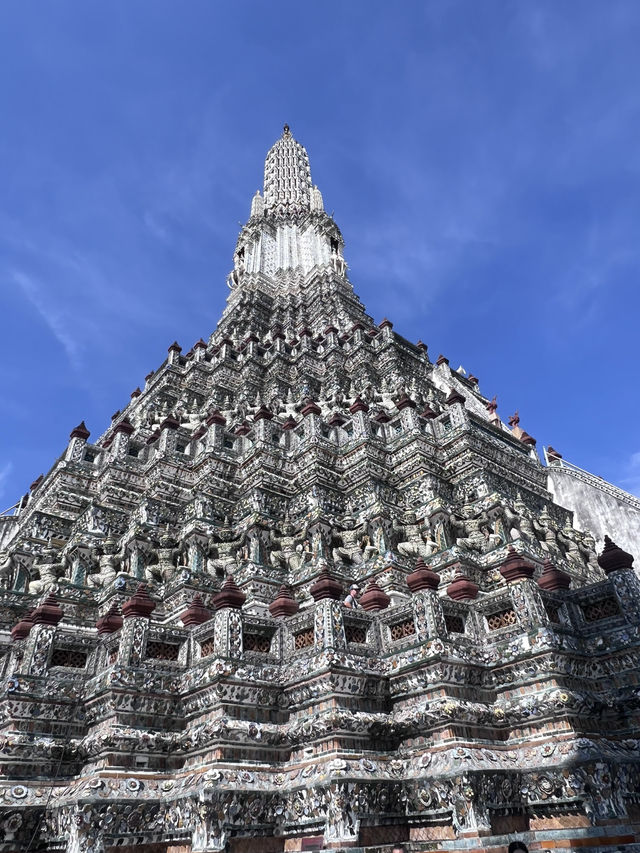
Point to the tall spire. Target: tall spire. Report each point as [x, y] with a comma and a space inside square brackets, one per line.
[287, 176]
[288, 235]
[289, 255]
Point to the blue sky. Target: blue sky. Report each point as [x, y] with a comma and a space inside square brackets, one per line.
[482, 160]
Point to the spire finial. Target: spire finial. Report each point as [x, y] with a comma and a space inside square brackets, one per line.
[287, 176]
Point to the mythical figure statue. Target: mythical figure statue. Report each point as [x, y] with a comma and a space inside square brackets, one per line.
[524, 522]
[49, 569]
[109, 561]
[575, 550]
[305, 551]
[341, 823]
[491, 538]
[417, 541]
[511, 523]
[284, 554]
[439, 530]
[546, 529]
[7, 570]
[224, 550]
[368, 549]
[337, 262]
[152, 570]
[167, 554]
[251, 548]
[346, 540]
[472, 530]
[588, 549]
[317, 544]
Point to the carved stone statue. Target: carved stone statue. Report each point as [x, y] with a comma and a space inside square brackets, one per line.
[284, 554]
[369, 550]
[251, 549]
[524, 520]
[546, 531]
[511, 523]
[346, 541]
[467, 529]
[588, 550]
[417, 541]
[7, 570]
[49, 570]
[492, 539]
[570, 543]
[341, 824]
[109, 562]
[168, 553]
[138, 559]
[224, 550]
[337, 262]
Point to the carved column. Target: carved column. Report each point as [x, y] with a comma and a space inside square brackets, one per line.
[408, 414]
[215, 430]
[278, 338]
[261, 420]
[329, 626]
[174, 353]
[527, 604]
[38, 645]
[228, 633]
[228, 620]
[253, 342]
[361, 424]
[524, 591]
[428, 616]
[133, 641]
[311, 414]
[331, 337]
[199, 350]
[167, 442]
[77, 442]
[358, 336]
[456, 410]
[121, 436]
[618, 566]
[226, 349]
[136, 611]
[387, 329]
[305, 338]
[37, 649]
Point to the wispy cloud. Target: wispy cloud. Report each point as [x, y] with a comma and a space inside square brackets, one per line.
[631, 482]
[5, 471]
[483, 168]
[53, 318]
[84, 297]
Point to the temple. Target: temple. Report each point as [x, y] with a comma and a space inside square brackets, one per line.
[180, 670]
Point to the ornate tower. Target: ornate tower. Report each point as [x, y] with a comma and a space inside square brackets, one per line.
[289, 268]
[183, 668]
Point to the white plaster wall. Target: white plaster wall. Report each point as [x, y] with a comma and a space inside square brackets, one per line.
[597, 510]
[8, 527]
